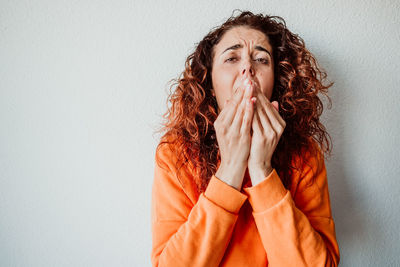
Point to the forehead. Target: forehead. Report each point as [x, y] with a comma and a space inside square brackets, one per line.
[242, 35]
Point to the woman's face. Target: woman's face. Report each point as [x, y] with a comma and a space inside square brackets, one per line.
[242, 52]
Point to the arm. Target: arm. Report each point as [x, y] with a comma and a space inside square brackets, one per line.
[187, 234]
[296, 231]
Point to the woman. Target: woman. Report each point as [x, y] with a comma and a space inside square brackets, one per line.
[240, 178]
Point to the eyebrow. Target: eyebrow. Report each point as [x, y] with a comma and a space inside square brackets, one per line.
[237, 46]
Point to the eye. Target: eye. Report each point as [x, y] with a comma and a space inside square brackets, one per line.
[262, 60]
[231, 59]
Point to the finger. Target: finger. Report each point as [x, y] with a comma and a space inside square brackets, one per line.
[237, 95]
[275, 109]
[238, 119]
[256, 123]
[273, 117]
[232, 106]
[272, 111]
[248, 115]
[276, 105]
[250, 87]
[264, 119]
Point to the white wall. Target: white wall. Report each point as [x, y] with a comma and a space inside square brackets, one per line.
[82, 87]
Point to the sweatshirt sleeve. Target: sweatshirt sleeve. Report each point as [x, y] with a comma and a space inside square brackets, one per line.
[296, 231]
[187, 234]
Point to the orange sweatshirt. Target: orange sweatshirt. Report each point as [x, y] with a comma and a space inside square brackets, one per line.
[262, 225]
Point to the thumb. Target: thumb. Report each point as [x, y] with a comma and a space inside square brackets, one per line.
[276, 105]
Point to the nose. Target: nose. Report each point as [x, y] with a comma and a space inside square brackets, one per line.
[247, 69]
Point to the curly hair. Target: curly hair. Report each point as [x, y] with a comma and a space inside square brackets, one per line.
[297, 82]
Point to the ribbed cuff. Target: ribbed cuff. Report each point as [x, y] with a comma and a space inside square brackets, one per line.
[267, 193]
[224, 195]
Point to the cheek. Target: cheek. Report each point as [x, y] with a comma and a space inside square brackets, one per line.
[222, 94]
[222, 84]
[268, 90]
[268, 85]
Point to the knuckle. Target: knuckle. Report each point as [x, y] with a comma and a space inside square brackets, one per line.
[240, 107]
[223, 129]
[270, 134]
[238, 92]
[235, 93]
[235, 102]
[280, 130]
[273, 135]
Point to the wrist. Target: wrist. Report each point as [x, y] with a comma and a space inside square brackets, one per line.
[258, 174]
[232, 176]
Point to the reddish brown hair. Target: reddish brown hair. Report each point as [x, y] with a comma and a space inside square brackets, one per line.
[298, 81]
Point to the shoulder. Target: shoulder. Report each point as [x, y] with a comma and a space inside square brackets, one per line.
[165, 155]
[310, 190]
[169, 157]
[309, 165]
